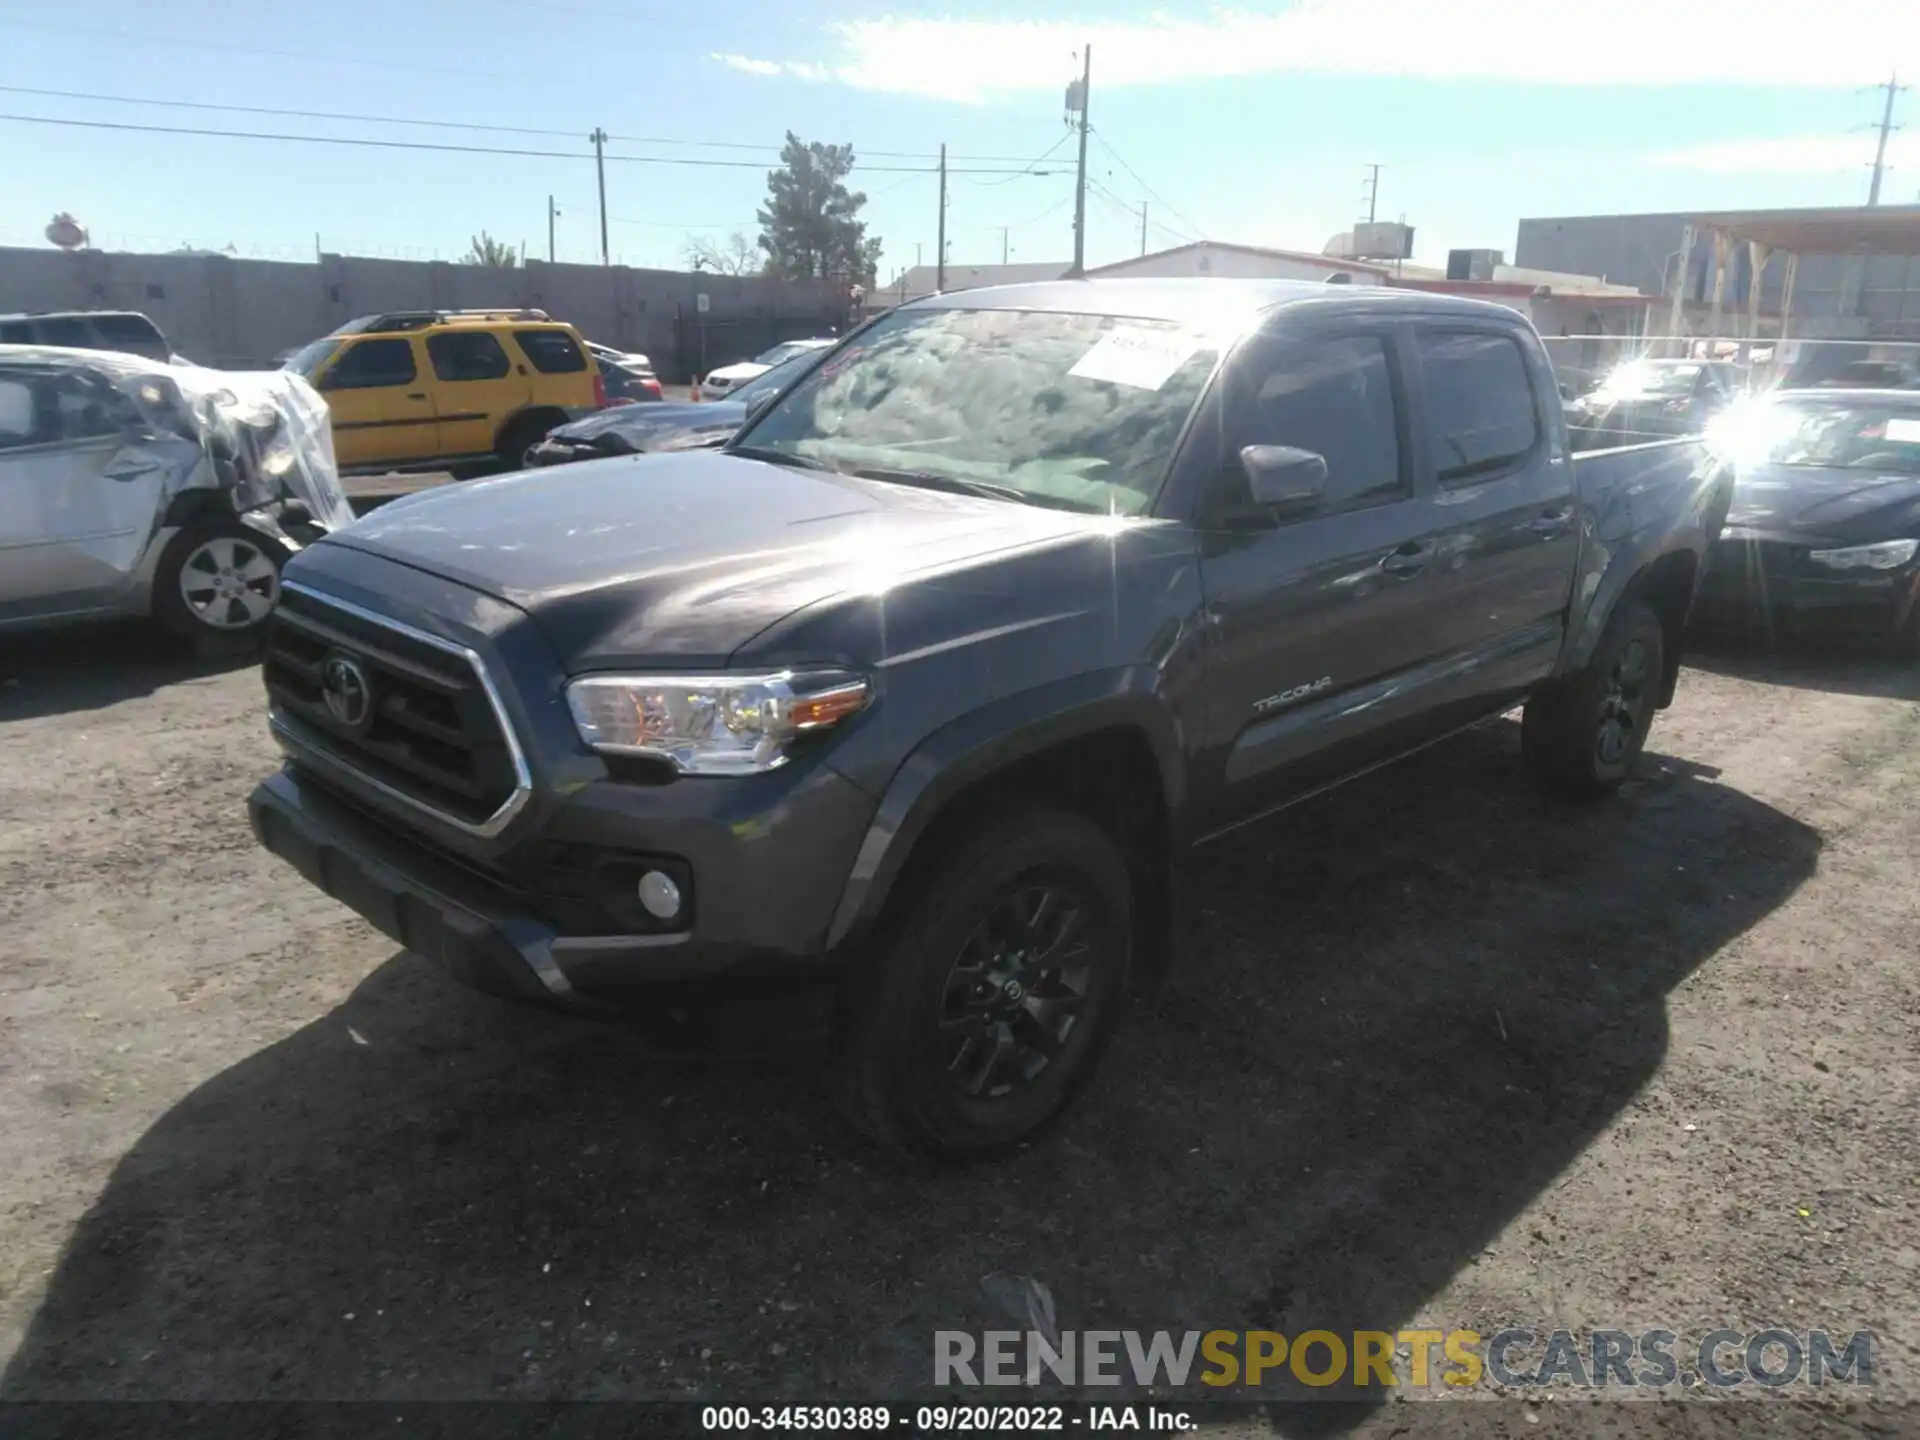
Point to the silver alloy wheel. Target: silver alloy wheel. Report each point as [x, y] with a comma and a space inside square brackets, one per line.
[229, 583]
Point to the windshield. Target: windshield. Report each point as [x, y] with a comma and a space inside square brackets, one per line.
[307, 360]
[1075, 411]
[1871, 437]
[1642, 378]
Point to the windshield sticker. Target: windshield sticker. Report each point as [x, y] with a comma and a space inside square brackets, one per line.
[1907, 432]
[1144, 359]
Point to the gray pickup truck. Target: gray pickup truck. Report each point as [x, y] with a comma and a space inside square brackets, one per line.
[932, 680]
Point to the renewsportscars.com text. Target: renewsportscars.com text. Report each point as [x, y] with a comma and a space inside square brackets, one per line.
[1406, 1359]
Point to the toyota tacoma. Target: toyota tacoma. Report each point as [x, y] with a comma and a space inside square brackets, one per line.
[933, 678]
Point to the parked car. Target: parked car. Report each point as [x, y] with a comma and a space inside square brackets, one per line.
[721, 384]
[1648, 399]
[131, 487]
[1824, 535]
[449, 388]
[123, 332]
[628, 375]
[1875, 375]
[934, 677]
[686, 425]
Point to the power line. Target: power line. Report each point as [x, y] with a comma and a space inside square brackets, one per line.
[1152, 194]
[96, 97]
[271, 110]
[123, 125]
[1041, 158]
[1053, 209]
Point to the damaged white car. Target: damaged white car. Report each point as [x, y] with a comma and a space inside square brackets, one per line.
[129, 487]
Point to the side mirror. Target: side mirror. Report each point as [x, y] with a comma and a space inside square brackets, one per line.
[1284, 480]
[760, 404]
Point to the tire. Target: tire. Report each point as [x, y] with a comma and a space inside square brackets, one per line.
[1581, 735]
[521, 434]
[954, 1044]
[217, 583]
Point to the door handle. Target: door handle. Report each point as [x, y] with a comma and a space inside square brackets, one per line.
[417, 395]
[1410, 559]
[1553, 522]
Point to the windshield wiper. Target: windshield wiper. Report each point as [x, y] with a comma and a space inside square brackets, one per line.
[782, 457]
[954, 484]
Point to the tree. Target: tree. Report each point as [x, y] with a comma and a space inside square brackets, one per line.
[491, 253]
[810, 227]
[736, 255]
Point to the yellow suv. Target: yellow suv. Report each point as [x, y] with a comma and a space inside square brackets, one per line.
[449, 387]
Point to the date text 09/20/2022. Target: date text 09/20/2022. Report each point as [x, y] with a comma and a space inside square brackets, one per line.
[949, 1419]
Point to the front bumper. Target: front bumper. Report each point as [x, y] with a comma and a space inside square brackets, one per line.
[1756, 581]
[488, 933]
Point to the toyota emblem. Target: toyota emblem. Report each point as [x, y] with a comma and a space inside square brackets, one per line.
[344, 686]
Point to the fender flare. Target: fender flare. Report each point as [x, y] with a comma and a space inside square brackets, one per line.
[976, 745]
[1619, 583]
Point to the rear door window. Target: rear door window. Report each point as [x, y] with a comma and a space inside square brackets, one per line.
[551, 351]
[1481, 415]
[371, 364]
[467, 355]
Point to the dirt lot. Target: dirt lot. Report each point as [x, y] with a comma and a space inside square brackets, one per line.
[1450, 1055]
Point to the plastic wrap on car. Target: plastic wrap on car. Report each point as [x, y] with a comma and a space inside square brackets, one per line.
[261, 436]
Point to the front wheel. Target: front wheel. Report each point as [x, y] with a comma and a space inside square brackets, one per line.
[978, 1016]
[217, 583]
[1582, 735]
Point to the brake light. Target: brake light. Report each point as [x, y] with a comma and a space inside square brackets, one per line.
[599, 388]
[650, 385]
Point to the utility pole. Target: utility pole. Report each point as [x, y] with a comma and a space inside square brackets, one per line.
[1081, 93]
[940, 238]
[1373, 192]
[552, 211]
[1143, 227]
[599, 138]
[1005, 247]
[1893, 87]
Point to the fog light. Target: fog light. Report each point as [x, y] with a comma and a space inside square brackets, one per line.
[659, 895]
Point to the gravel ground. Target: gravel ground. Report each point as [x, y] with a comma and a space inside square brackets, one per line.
[1448, 1055]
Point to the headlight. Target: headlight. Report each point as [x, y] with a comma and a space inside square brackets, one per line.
[712, 724]
[1887, 555]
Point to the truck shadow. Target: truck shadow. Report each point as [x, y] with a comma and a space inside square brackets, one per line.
[1416, 1002]
[89, 667]
[1847, 669]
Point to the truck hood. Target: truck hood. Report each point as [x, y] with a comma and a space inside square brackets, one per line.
[1855, 506]
[688, 556]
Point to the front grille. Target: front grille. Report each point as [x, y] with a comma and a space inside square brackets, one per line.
[431, 733]
[1742, 565]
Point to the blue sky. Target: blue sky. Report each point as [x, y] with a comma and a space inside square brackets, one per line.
[1251, 124]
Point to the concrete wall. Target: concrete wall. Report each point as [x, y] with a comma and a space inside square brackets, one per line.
[241, 313]
[1835, 295]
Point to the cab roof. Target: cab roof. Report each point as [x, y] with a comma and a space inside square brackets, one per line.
[1197, 298]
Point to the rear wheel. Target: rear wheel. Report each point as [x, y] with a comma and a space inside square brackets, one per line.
[521, 434]
[217, 583]
[1582, 735]
[976, 1019]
